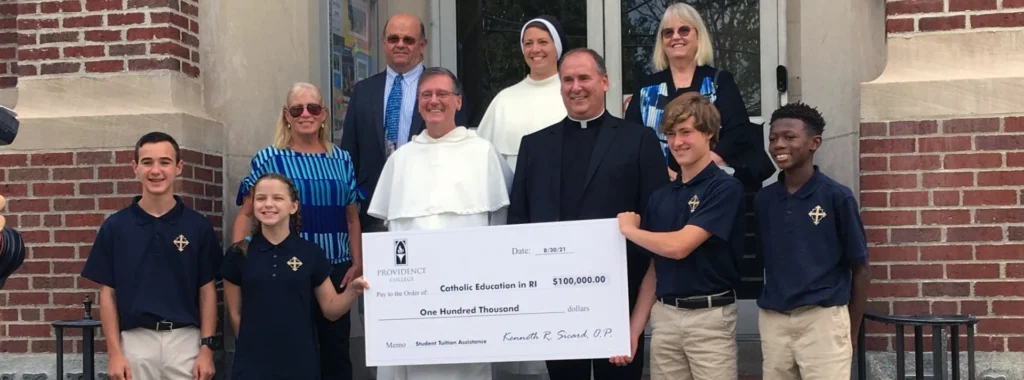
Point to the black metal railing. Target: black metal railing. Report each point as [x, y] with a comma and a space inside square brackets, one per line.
[88, 326]
[938, 323]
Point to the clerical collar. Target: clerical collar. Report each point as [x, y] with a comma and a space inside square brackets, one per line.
[596, 119]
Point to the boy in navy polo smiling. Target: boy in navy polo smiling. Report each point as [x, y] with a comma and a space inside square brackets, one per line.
[155, 262]
[815, 258]
[694, 227]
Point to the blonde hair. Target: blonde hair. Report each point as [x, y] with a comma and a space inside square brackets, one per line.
[283, 135]
[687, 14]
[706, 118]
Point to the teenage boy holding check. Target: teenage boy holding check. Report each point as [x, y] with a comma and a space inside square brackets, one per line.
[815, 258]
[694, 228]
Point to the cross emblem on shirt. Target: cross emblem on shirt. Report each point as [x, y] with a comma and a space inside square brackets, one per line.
[294, 263]
[181, 242]
[817, 214]
[694, 202]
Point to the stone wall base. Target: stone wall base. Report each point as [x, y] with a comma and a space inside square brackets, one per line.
[988, 365]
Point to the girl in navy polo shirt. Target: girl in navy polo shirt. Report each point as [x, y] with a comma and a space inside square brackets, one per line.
[270, 285]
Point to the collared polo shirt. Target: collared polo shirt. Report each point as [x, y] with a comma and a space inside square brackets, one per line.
[713, 200]
[810, 240]
[156, 264]
[277, 336]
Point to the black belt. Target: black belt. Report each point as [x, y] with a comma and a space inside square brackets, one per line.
[700, 302]
[163, 325]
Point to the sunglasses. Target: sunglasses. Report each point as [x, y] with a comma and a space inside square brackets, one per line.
[683, 31]
[408, 40]
[314, 109]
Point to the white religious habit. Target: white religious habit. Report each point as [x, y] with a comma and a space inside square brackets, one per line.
[458, 180]
[519, 110]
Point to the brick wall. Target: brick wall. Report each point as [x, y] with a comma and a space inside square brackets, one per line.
[8, 43]
[58, 200]
[941, 201]
[105, 36]
[926, 16]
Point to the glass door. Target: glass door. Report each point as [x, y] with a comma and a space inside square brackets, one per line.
[483, 47]
[748, 39]
[479, 41]
[735, 27]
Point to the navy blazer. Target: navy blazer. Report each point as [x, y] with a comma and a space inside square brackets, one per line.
[363, 134]
[626, 166]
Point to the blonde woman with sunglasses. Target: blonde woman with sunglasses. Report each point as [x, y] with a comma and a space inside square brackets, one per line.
[325, 179]
[683, 61]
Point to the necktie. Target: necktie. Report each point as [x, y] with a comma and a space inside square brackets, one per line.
[393, 113]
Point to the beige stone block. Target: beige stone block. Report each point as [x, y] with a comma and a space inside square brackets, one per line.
[937, 76]
[838, 159]
[102, 132]
[120, 94]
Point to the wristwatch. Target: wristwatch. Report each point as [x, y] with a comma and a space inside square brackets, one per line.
[209, 342]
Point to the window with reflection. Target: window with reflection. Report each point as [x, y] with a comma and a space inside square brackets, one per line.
[734, 26]
[354, 43]
[490, 56]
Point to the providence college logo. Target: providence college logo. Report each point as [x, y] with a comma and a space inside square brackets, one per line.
[401, 257]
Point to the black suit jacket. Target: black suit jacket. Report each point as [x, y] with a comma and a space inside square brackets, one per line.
[363, 134]
[625, 168]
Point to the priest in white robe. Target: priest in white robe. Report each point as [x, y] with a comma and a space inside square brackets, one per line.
[446, 177]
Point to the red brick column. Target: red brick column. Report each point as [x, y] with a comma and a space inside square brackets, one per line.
[905, 17]
[104, 36]
[941, 197]
[8, 43]
[942, 204]
[57, 201]
[59, 197]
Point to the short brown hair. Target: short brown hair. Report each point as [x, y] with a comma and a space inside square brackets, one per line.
[692, 104]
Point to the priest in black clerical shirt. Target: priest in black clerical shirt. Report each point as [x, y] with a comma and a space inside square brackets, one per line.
[591, 165]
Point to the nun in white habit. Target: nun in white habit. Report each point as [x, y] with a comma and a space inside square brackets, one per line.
[535, 102]
[532, 104]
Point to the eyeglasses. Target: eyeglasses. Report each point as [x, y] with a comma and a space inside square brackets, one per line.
[313, 108]
[683, 32]
[441, 94]
[408, 40]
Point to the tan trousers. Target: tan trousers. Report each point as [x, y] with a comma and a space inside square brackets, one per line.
[161, 355]
[693, 344]
[810, 343]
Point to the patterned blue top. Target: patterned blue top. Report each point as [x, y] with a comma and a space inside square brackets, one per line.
[655, 97]
[326, 185]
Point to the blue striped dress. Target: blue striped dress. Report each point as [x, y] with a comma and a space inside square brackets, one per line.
[326, 185]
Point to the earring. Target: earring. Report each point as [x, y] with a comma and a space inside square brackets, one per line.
[323, 125]
[288, 125]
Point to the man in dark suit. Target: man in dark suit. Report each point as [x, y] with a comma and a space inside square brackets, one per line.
[382, 113]
[591, 165]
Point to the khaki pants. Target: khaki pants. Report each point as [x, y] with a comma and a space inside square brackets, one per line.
[161, 355]
[810, 343]
[693, 344]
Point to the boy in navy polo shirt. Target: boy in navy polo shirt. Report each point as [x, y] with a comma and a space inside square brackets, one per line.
[815, 258]
[155, 263]
[694, 227]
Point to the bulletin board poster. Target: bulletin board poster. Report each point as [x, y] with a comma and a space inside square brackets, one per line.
[352, 40]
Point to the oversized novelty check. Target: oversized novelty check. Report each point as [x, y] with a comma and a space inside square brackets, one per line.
[529, 292]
